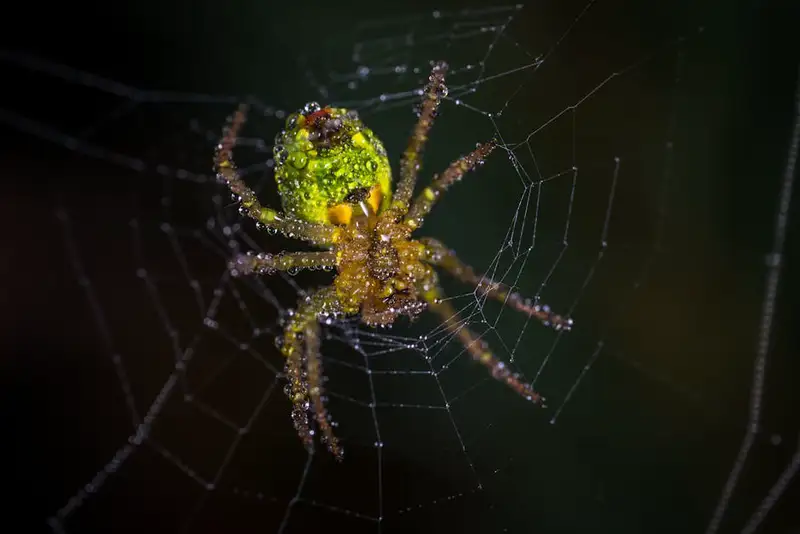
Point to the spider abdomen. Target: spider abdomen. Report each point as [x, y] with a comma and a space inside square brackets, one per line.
[322, 157]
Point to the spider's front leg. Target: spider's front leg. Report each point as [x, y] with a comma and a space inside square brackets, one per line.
[425, 201]
[435, 90]
[476, 347]
[301, 348]
[436, 253]
[288, 225]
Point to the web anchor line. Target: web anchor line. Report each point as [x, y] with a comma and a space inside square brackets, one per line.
[773, 261]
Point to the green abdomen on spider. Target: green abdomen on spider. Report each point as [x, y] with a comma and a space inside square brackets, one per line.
[324, 156]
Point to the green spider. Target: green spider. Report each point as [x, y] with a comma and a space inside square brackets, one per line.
[334, 180]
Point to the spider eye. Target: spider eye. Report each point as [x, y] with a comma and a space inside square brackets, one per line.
[357, 195]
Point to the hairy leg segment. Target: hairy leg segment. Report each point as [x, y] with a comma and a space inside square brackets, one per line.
[301, 348]
[439, 255]
[477, 348]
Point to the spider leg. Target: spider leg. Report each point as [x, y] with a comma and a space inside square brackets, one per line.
[290, 226]
[303, 368]
[435, 90]
[477, 348]
[250, 263]
[439, 255]
[424, 202]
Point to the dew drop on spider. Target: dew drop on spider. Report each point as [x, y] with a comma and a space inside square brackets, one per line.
[280, 154]
[311, 107]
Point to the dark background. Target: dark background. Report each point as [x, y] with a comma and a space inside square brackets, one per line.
[646, 442]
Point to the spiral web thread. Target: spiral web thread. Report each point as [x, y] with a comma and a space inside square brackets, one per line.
[209, 332]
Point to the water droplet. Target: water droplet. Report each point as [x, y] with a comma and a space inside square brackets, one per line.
[298, 160]
[311, 107]
[280, 154]
[291, 121]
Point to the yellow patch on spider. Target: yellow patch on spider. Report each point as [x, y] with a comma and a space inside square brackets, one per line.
[342, 213]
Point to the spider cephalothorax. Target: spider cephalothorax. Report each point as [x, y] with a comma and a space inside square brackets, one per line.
[379, 267]
[335, 185]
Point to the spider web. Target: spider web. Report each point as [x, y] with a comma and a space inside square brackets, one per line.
[160, 403]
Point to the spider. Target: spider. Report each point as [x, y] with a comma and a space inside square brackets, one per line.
[334, 180]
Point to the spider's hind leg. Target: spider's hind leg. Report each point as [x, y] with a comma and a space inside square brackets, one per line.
[301, 348]
[439, 255]
[477, 348]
